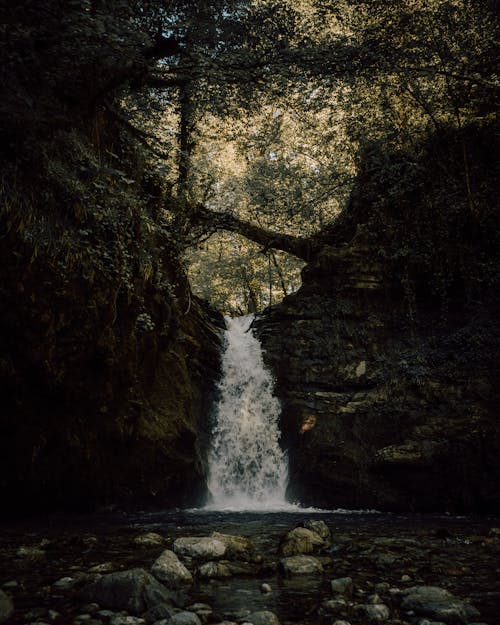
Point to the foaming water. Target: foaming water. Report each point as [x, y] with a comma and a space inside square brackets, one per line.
[247, 469]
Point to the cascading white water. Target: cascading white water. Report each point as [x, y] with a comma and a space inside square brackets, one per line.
[247, 468]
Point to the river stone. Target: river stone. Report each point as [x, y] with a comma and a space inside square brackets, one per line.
[236, 546]
[300, 565]
[298, 541]
[200, 547]
[126, 620]
[150, 539]
[438, 604]
[335, 607]
[375, 613]
[181, 618]
[134, 590]
[262, 617]
[161, 611]
[214, 570]
[318, 526]
[170, 570]
[342, 586]
[6, 607]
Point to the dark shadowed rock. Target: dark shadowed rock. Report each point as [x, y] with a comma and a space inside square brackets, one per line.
[135, 590]
[6, 607]
[437, 604]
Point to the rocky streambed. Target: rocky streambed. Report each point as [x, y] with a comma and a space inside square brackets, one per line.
[192, 568]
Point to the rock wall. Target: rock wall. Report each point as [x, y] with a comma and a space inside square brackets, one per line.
[378, 413]
[389, 385]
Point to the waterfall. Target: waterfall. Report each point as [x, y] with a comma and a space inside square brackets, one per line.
[247, 470]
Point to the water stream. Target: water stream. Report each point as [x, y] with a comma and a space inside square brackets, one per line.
[247, 468]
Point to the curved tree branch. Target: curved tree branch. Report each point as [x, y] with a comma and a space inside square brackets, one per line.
[304, 248]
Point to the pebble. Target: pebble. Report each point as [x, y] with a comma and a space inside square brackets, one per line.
[265, 588]
[11, 584]
[65, 583]
[405, 579]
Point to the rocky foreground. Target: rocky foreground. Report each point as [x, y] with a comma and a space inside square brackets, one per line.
[402, 574]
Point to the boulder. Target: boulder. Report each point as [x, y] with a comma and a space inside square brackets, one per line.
[438, 604]
[320, 527]
[213, 570]
[300, 540]
[170, 570]
[262, 617]
[236, 546]
[300, 565]
[134, 590]
[6, 607]
[201, 547]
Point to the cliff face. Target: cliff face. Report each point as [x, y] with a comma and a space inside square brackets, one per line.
[390, 389]
[104, 390]
[107, 361]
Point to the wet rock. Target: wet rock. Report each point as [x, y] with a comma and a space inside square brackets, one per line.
[374, 613]
[300, 540]
[11, 584]
[203, 610]
[170, 570]
[134, 590]
[105, 567]
[204, 547]
[333, 607]
[342, 586]
[319, 527]
[33, 554]
[236, 546]
[266, 588]
[438, 604]
[161, 611]
[66, 583]
[182, 618]
[262, 617]
[213, 570]
[149, 539]
[300, 565]
[341, 623]
[126, 620]
[6, 607]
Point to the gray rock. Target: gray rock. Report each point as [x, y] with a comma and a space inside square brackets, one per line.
[65, 583]
[300, 565]
[203, 547]
[341, 623]
[342, 586]
[31, 553]
[236, 546]
[150, 539]
[335, 607]
[134, 590]
[438, 604]
[262, 617]
[300, 540]
[104, 567]
[161, 611]
[183, 618]
[213, 570]
[126, 620]
[374, 613]
[265, 588]
[6, 607]
[170, 570]
[319, 527]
